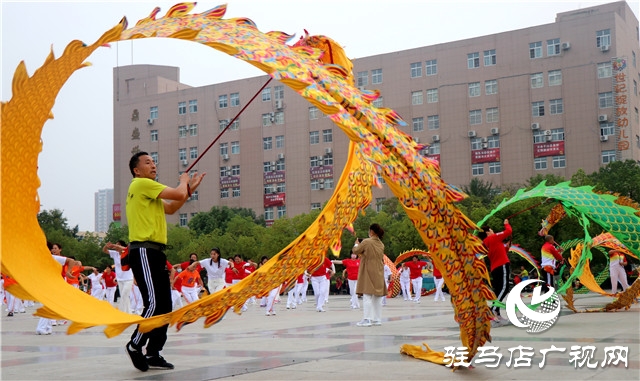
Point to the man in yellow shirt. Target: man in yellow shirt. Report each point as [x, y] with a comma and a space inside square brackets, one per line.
[147, 203]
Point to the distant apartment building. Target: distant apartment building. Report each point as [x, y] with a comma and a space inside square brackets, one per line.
[103, 209]
[549, 99]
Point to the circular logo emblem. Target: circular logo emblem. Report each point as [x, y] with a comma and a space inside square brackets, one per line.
[537, 319]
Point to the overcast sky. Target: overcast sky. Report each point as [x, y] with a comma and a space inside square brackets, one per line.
[77, 158]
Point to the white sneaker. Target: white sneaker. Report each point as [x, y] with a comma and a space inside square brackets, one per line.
[376, 322]
[364, 323]
[267, 313]
[321, 310]
[244, 309]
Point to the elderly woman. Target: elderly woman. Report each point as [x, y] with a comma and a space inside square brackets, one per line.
[371, 276]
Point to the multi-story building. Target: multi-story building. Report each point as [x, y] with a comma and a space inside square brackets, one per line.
[548, 99]
[103, 200]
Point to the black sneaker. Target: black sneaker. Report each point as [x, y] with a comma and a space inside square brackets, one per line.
[158, 362]
[10, 314]
[137, 358]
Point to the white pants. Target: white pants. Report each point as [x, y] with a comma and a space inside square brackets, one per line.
[299, 289]
[97, 292]
[439, 294]
[271, 298]
[319, 283]
[137, 304]
[616, 271]
[45, 326]
[176, 300]
[327, 288]
[352, 291]
[125, 287]
[292, 297]
[372, 307]
[406, 289]
[13, 304]
[384, 298]
[305, 289]
[190, 293]
[215, 285]
[417, 288]
[110, 295]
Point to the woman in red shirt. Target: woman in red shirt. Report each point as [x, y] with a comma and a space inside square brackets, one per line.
[499, 261]
[351, 265]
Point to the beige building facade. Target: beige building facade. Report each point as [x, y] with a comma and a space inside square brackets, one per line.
[549, 99]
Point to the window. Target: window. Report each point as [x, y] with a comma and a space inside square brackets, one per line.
[153, 112]
[267, 143]
[474, 89]
[477, 169]
[377, 103]
[553, 47]
[492, 115]
[235, 126]
[182, 154]
[432, 67]
[605, 100]
[555, 77]
[376, 76]
[493, 141]
[475, 117]
[473, 60]
[223, 171]
[280, 141]
[633, 58]
[416, 98]
[418, 124]
[266, 166]
[194, 197]
[362, 78]
[327, 159]
[266, 94]
[494, 168]
[193, 130]
[267, 119]
[489, 57]
[316, 206]
[540, 163]
[193, 106]
[635, 87]
[224, 149]
[314, 113]
[539, 136]
[379, 203]
[604, 70]
[433, 122]
[315, 184]
[556, 106]
[235, 192]
[380, 179]
[607, 129]
[235, 99]
[603, 38]
[328, 183]
[182, 108]
[268, 214]
[535, 49]
[434, 149]
[193, 153]
[222, 101]
[316, 161]
[269, 188]
[281, 187]
[327, 136]
[537, 108]
[235, 148]
[280, 165]
[608, 156]
[432, 96]
[314, 137]
[282, 211]
[476, 144]
[416, 69]
[279, 117]
[536, 80]
[154, 135]
[278, 92]
[182, 131]
[491, 87]
[183, 219]
[154, 157]
[224, 193]
[223, 123]
[557, 134]
[559, 161]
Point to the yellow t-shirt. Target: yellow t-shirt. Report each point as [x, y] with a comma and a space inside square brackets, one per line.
[145, 211]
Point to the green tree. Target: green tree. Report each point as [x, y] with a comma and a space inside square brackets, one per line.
[621, 177]
[580, 178]
[483, 190]
[218, 218]
[51, 220]
[117, 232]
[550, 178]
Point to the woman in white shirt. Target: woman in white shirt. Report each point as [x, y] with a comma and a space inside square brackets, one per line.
[215, 267]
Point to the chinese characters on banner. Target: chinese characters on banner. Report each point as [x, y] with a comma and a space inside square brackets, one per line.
[273, 177]
[322, 172]
[273, 199]
[117, 212]
[435, 157]
[485, 155]
[521, 356]
[548, 149]
[229, 181]
[620, 116]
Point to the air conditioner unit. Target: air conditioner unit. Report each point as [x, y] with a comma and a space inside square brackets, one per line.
[604, 138]
[548, 138]
[327, 150]
[321, 186]
[185, 163]
[547, 132]
[280, 156]
[495, 131]
[321, 181]
[150, 122]
[471, 134]
[566, 46]
[279, 104]
[535, 126]
[227, 173]
[416, 139]
[602, 118]
[435, 138]
[273, 168]
[485, 140]
[604, 48]
[485, 145]
[225, 157]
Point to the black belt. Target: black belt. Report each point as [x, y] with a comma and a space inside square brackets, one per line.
[147, 245]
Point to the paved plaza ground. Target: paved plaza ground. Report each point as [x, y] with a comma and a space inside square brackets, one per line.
[302, 344]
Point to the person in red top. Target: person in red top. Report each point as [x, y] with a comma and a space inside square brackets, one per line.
[193, 257]
[351, 266]
[439, 281]
[415, 274]
[190, 282]
[499, 264]
[319, 282]
[228, 274]
[110, 283]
